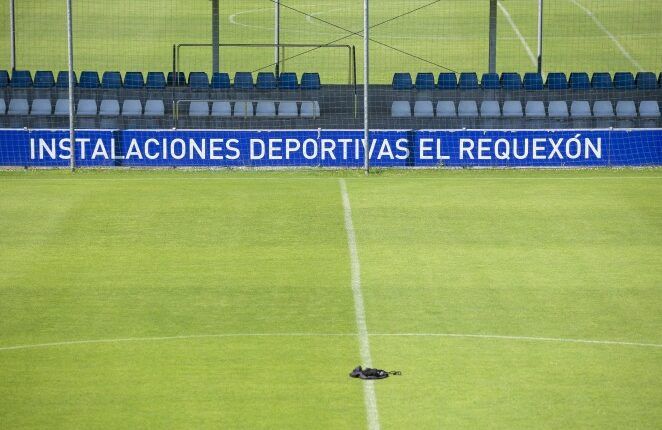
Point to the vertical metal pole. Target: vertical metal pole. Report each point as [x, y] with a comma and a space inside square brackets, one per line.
[70, 41]
[366, 84]
[540, 5]
[12, 31]
[215, 20]
[277, 37]
[493, 36]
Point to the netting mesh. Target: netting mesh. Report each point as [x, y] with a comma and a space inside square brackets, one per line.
[444, 64]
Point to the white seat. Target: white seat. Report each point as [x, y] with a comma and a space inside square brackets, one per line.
[512, 109]
[490, 109]
[41, 107]
[61, 107]
[18, 107]
[87, 107]
[423, 109]
[603, 109]
[310, 109]
[265, 108]
[401, 109]
[580, 109]
[534, 109]
[649, 109]
[288, 109]
[154, 108]
[243, 108]
[467, 108]
[109, 107]
[132, 108]
[198, 109]
[446, 108]
[3, 106]
[558, 109]
[626, 109]
[221, 108]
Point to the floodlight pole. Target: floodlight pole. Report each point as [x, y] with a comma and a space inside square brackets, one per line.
[70, 42]
[540, 10]
[215, 20]
[366, 84]
[12, 33]
[277, 37]
[493, 36]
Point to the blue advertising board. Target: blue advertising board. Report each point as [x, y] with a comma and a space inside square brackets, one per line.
[332, 148]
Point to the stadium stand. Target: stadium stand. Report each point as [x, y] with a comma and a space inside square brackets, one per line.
[543, 102]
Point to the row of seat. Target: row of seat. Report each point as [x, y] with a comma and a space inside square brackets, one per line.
[158, 81]
[533, 109]
[156, 108]
[531, 81]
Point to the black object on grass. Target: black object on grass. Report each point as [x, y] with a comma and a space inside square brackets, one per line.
[369, 373]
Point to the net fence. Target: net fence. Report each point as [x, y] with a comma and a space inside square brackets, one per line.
[298, 65]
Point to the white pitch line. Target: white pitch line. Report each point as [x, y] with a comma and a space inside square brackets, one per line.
[601, 26]
[517, 32]
[369, 396]
[267, 335]
[522, 338]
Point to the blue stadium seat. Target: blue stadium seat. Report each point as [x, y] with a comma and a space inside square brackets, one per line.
[310, 81]
[243, 81]
[4, 79]
[181, 79]
[646, 81]
[111, 80]
[266, 81]
[579, 81]
[601, 81]
[134, 80]
[220, 81]
[533, 82]
[468, 81]
[624, 81]
[490, 81]
[21, 79]
[44, 79]
[63, 79]
[288, 81]
[447, 81]
[511, 81]
[402, 81]
[198, 80]
[155, 81]
[557, 81]
[89, 80]
[425, 81]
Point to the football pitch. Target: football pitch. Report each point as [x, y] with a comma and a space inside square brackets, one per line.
[242, 299]
[435, 36]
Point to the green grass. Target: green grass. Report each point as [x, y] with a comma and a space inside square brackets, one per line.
[126, 35]
[259, 261]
